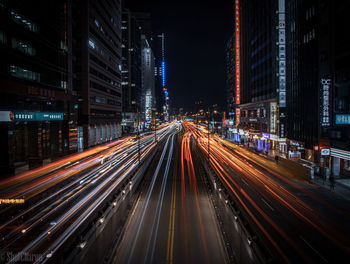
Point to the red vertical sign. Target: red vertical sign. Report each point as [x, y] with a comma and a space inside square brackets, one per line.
[238, 61]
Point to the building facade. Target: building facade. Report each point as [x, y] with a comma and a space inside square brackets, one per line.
[161, 89]
[38, 119]
[259, 74]
[148, 85]
[230, 78]
[318, 82]
[97, 59]
[131, 70]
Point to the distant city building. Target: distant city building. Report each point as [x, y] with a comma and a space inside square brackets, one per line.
[260, 74]
[318, 81]
[160, 71]
[148, 88]
[230, 78]
[97, 70]
[131, 70]
[37, 101]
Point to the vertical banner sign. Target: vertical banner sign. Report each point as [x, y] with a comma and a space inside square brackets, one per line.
[281, 67]
[282, 52]
[238, 60]
[273, 117]
[238, 115]
[325, 102]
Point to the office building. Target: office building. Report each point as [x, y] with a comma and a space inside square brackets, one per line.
[97, 59]
[230, 78]
[148, 85]
[37, 101]
[318, 98]
[131, 71]
[260, 73]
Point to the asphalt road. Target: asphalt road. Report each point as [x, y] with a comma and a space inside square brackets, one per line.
[299, 222]
[173, 220]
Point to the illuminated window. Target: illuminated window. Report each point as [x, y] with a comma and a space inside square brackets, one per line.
[92, 44]
[3, 39]
[22, 73]
[64, 84]
[23, 47]
[23, 21]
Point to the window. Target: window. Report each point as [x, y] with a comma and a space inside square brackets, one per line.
[64, 84]
[23, 21]
[22, 73]
[23, 47]
[3, 39]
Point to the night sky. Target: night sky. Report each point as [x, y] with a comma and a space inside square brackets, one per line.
[196, 33]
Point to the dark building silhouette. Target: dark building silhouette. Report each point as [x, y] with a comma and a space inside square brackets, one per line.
[318, 80]
[37, 101]
[131, 69]
[230, 78]
[97, 59]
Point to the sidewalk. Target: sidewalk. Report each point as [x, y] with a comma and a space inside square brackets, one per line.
[341, 184]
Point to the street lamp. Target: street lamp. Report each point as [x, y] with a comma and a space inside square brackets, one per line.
[208, 136]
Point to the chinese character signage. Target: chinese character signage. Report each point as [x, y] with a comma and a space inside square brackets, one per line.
[273, 117]
[342, 119]
[325, 102]
[282, 52]
[37, 116]
[237, 53]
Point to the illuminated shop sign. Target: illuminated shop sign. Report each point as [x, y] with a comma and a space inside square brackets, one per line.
[342, 119]
[148, 107]
[325, 102]
[266, 135]
[273, 117]
[238, 116]
[339, 153]
[237, 53]
[37, 116]
[282, 52]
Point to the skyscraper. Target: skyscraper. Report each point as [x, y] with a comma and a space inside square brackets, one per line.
[38, 116]
[162, 94]
[131, 69]
[97, 70]
[230, 78]
[318, 99]
[261, 68]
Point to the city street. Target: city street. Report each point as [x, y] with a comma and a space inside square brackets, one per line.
[177, 132]
[173, 221]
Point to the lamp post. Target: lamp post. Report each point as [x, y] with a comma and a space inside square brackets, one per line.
[138, 136]
[208, 136]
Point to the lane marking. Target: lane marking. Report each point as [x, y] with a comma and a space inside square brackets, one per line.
[318, 253]
[267, 204]
[245, 182]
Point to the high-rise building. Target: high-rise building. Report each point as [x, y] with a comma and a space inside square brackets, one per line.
[97, 59]
[37, 101]
[131, 70]
[318, 74]
[260, 71]
[230, 78]
[148, 88]
[161, 89]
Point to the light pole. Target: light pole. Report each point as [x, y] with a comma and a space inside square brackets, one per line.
[208, 136]
[138, 135]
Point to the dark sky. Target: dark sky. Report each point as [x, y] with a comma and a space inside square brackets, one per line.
[196, 33]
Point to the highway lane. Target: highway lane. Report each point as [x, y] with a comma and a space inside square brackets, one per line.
[294, 225]
[173, 220]
[47, 224]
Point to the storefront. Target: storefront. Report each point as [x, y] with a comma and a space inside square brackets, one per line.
[34, 136]
[340, 162]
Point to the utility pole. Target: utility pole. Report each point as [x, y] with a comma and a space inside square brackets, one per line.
[138, 135]
[208, 136]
